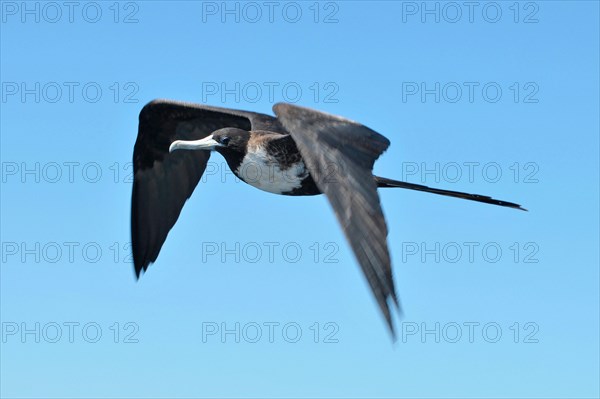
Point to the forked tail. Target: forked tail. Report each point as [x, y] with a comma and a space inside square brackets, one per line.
[383, 182]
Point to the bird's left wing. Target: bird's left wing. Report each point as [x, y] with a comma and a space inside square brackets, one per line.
[340, 154]
[163, 181]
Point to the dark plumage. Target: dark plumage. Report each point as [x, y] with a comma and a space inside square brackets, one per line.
[301, 152]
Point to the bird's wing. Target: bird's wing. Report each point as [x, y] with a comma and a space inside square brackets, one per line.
[163, 181]
[340, 154]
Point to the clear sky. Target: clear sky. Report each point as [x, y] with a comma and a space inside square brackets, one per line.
[259, 295]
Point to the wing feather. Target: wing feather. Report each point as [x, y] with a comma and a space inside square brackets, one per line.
[340, 154]
[163, 181]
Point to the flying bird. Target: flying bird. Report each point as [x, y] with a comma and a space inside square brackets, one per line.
[301, 151]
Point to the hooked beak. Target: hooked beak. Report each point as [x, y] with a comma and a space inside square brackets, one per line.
[207, 143]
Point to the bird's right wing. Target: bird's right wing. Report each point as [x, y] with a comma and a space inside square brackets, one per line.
[163, 181]
[340, 154]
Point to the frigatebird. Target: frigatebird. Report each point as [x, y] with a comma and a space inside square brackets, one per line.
[301, 151]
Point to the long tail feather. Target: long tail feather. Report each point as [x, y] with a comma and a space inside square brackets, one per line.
[384, 182]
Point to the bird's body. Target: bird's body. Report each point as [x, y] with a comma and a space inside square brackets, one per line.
[273, 163]
[299, 152]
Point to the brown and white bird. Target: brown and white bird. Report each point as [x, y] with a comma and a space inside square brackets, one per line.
[301, 151]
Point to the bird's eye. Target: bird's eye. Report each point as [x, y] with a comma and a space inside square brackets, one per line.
[225, 140]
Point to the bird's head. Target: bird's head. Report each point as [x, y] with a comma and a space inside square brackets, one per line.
[224, 140]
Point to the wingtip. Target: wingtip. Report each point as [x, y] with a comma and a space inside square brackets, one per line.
[388, 315]
[139, 269]
[393, 335]
[392, 331]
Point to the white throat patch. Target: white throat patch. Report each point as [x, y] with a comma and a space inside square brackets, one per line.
[263, 172]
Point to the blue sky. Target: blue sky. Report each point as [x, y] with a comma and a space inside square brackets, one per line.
[255, 295]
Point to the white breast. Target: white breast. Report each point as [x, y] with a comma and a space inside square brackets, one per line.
[263, 172]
